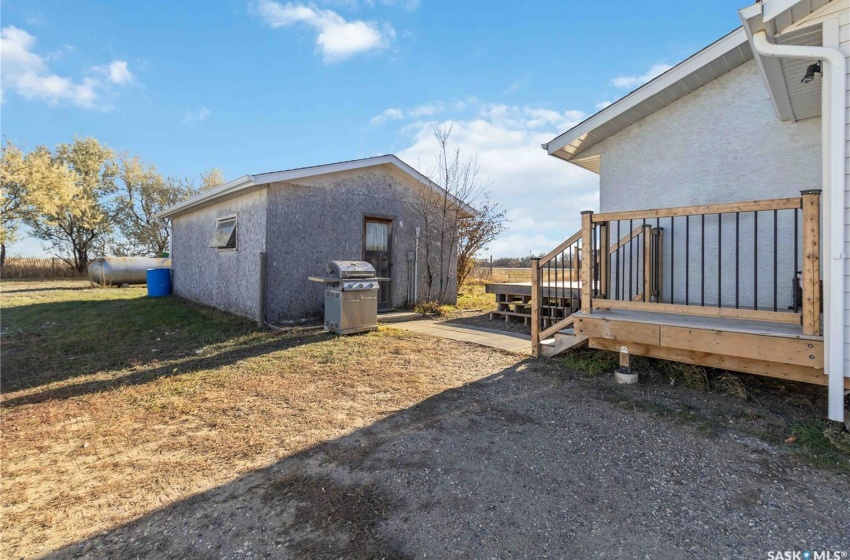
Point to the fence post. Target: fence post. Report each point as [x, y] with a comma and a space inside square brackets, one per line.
[587, 260]
[811, 262]
[536, 303]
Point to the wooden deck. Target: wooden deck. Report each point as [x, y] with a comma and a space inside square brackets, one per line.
[773, 349]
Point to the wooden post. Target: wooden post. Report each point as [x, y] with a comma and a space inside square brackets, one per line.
[604, 258]
[587, 261]
[811, 262]
[536, 302]
[647, 263]
[625, 360]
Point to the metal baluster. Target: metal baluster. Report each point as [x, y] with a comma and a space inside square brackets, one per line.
[672, 255]
[687, 260]
[775, 259]
[737, 259]
[631, 259]
[642, 261]
[796, 262]
[702, 260]
[617, 264]
[755, 260]
[719, 260]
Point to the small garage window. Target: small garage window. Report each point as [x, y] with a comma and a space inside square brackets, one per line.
[224, 236]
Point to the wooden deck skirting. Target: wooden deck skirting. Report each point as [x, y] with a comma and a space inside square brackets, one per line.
[769, 349]
[780, 344]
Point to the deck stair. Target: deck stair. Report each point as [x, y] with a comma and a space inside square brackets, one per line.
[562, 341]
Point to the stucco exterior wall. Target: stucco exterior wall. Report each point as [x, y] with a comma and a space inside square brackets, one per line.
[322, 218]
[225, 279]
[722, 143]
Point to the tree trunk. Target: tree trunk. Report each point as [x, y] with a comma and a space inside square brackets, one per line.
[2, 254]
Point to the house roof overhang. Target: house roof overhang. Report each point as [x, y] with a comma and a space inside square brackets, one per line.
[247, 182]
[789, 22]
[717, 59]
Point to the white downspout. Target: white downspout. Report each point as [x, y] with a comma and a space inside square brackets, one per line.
[832, 144]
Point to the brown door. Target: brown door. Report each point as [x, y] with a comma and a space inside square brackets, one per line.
[377, 251]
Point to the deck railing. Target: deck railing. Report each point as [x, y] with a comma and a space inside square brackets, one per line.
[755, 260]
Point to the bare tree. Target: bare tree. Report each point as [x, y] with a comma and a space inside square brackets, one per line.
[458, 217]
[477, 231]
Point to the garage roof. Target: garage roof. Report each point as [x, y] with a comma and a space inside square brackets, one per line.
[247, 182]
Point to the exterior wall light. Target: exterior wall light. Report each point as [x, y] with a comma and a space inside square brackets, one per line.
[810, 73]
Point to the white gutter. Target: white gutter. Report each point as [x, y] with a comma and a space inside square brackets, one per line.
[834, 68]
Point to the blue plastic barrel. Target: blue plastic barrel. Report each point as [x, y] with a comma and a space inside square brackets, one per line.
[159, 282]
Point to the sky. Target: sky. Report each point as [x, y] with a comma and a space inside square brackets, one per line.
[250, 86]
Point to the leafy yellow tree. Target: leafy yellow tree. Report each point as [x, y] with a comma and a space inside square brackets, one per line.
[67, 190]
[13, 199]
[211, 179]
[143, 193]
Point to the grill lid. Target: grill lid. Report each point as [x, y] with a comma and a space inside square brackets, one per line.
[350, 269]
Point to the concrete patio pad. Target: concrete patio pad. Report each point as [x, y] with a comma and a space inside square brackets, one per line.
[493, 338]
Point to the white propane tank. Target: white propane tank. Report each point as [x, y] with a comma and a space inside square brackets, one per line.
[110, 271]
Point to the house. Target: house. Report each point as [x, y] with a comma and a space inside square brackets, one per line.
[724, 206]
[248, 246]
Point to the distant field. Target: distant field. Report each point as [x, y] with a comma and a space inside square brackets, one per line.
[26, 267]
[503, 274]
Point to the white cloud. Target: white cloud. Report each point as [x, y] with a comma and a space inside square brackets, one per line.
[389, 114]
[634, 81]
[337, 38]
[196, 116]
[602, 104]
[118, 72]
[427, 109]
[27, 73]
[543, 195]
[418, 111]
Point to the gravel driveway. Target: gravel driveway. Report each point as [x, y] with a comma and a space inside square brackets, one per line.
[524, 464]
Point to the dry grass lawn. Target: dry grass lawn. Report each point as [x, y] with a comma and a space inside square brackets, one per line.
[114, 405]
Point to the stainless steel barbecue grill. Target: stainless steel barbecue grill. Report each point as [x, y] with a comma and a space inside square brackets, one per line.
[351, 297]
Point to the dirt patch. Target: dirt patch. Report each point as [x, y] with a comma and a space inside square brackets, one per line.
[335, 520]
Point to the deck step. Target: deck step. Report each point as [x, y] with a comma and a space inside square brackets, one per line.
[562, 342]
